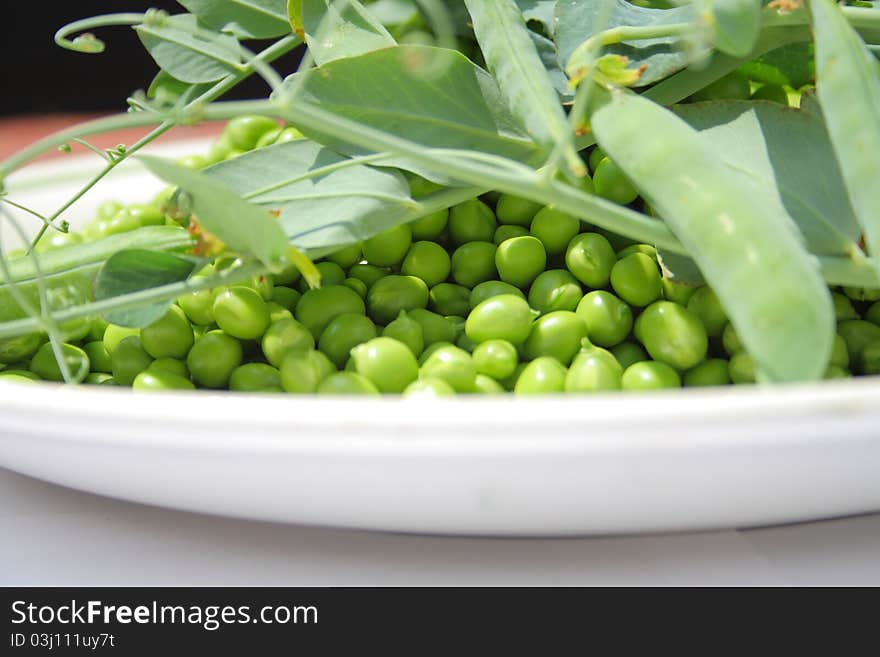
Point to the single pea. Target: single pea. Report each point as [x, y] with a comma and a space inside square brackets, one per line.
[114, 334]
[843, 308]
[557, 334]
[254, 377]
[277, 313]
[347, 383]
[430, 349]
[198, 306]
[26, 373]
[712, 372]
[449, 299]
[344, 333]
[486, 385]
[391, 294]
[542, 376]
[107, 209]
[555, 229]
[489, 289]
[505, 317]
[369, 274]
[647, 249]
[509, 231]
[122, 222]
[730, 340]
[45, 365]
[435, 328]
[99, 358]
[170, 336]
[649, 375]
[419, 186]
[96, 379]
[872, 315]
[12, 377]
[53, 240]
[287, 276]
[869, 294]
[243, 132]
[672, 334]
[474, 263]
[283, 337]
[128, 360]
[596, 156]
[240, 312]
[347, 256]
[857, 333]
[408, 331]
[610, 182]
[428, 389]
[173, 365]
[733, 86]
[835, 372]
[519, 260]
[516, 210]
[318, 307]
[869, 360]
[555, 289]
[96, 330]
[213, 358]
[431, 226]
[628, 353]
[330, 273]
[19, 347]
[771, 92]
[680, 293]
[147, 215]
[495, 358]
[387, 363]
[289, 134]
[608, 319]
[428, 261]
[268, 138]
[741, 368]
[594, 370]
[389, 247]
[158, 380]
[839, 353]
[705, 304]
[357, 285]
[299, 373]
[636, 280]
[453, 365]
[590, 258]
[471, 221]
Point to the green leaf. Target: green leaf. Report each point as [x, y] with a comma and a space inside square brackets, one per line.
[341, 29]
[577, 20]
[735, 25]
[189, 56]
[243, 227]
[246, 19]
[786, 156]
[325, 200]
[134, 270]
[432, 96]
[514, 61]
[848, 88]
[547, 52]
[540, 11]
[751, 255]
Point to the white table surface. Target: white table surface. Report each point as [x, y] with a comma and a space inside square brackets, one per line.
[56, 536]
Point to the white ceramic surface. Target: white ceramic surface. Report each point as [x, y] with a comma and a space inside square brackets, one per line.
[700, 459]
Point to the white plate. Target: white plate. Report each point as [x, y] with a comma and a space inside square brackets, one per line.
[694, 459]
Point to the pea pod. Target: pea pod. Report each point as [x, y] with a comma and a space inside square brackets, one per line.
[735, 25]
[752, 256]
[512, 58]
[848, 87]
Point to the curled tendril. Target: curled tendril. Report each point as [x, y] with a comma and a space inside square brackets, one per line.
[88, 42]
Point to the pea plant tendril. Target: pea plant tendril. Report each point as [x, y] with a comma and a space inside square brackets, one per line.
[702, 172]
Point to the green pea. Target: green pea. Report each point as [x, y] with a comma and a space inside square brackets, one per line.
[649, 375]
[843, 308]
[610, 182]
[771, 92]
[627, 353]
[172, 365]
[471, 221]
[408, 331]
[115, 334]
[680, 293]
[96, 379]
[420, 186]
[254, 377]
[486, 385]
[590, 258]
[347, 256]
[839, 353]
[44, 364]
[516, 210]
[198, 306]
[489, 289]
[330, 273]
[449, 299]
[213, 358]
[857, 333]
[430, 349]
[557, 334]
[505, 317]
[431, 226]
[241, 312]
[542, 376]
[391, 294]
[170, 336]
[519, 260]
[128, 360]
[53, 240]
[509, 231]
[495, 358]
[347, 383]
[672, 335]
[741, 368]
[369, 274]
[712, 372]
[289, 134]
[428, 389]
[122, 222]
[636, 280]
[705, 304]
[596, 156]
[435, 328]
[287, 276]
[99, 358]
[158, 380]
[428, 261]
[869, 360]
[344, 333]
[318, 307]
[454, 366]
[277, 313]
[243, 132]
[283, 337]
[19, 347]
[733, 86]
[96, 330]
[730, 340]
[872, 315]
[299, 373]
[357, 285]
[147, 215]
[594, 370]
[268, 138]
[387, 363]
[389, 247]
[555, 229]
[474, 263]
[555, 289]
[608, 319]
[869, 294]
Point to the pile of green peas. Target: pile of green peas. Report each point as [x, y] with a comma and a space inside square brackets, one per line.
[496, 294]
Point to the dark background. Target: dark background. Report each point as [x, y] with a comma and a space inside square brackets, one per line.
[40, 77]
